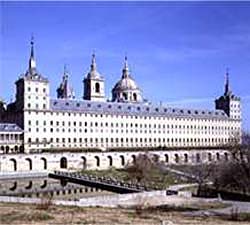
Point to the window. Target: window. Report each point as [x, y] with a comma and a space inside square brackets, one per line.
[97, 87]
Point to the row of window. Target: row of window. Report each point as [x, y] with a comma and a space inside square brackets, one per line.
[136, 125]
[131, 140]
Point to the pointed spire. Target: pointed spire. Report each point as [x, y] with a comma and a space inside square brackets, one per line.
[227, 89]
[32, 61]
[65, 72]
[93, 62]
[125, 71]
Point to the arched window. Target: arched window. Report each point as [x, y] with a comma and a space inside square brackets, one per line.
[63, 163]
[209, 157]
[97, 87]
[29, 163]
[84, 162]
[97, 161]
[122, 160]
[110, 160]
[176, 156]
[7, 149]
[166, 158]
[14, 164]
[125, 96]
[185, 157]
[44, 163]
[134, 96]
[218, 156]
[133, 159]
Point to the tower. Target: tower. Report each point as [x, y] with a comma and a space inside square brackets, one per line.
[64, 90]
[94, 84]
[32, 89]
[228, 102]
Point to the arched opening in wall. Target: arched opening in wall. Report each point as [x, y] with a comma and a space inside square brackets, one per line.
[29, 163]
[122, 160]
[209, 157]
[2, 148]
[176, 158]
[125, 96]
[63, 163]
[29, 186]
[166, 158]
[13, 188]
[226, 156]
[198, 158]
[7, 149]
[186, 158]
[14, 164]
[133, 159]
[97, 161]
[134, 96]
[97, 87]
[110, 160]
[218, 156]
[44, 163]
[44, 185]
[16, 148]
[84, 162]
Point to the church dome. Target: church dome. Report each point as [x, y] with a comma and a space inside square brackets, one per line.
[126, 89]
[126, 83]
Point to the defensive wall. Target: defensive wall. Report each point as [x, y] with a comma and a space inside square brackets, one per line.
[45, 162]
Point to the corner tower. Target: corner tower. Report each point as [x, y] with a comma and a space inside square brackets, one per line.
[94, 84]
[228, 102]
[32, 89]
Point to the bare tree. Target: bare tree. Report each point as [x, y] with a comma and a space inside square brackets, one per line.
[234, 175]
[143, 166]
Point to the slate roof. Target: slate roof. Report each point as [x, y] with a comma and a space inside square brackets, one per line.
[140, 109]
[9, 127]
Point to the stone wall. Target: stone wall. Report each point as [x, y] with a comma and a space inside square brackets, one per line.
[45, 162]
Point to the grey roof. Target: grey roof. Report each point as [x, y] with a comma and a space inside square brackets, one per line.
[140, 109]
[9, 127]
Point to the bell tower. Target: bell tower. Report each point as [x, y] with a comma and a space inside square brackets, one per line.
[94, 84]
[229, 102]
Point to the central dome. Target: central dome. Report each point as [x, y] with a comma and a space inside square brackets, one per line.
[126, 83]
[126, 90]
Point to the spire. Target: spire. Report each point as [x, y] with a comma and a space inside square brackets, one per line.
[125, 71]
[93, 62]
[227, 89]
[32, 61]
[65, 72]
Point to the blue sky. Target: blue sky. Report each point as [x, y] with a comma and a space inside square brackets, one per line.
[178, 52]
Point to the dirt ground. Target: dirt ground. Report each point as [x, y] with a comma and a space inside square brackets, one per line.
[33, 214]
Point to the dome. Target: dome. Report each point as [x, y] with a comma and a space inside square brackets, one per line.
[126, 90]
[126, 83]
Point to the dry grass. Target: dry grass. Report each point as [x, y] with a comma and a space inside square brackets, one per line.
[29, 214]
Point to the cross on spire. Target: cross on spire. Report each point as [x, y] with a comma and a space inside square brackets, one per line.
[32, 61]
[125, 71]
[93, 62]
[227, 88]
